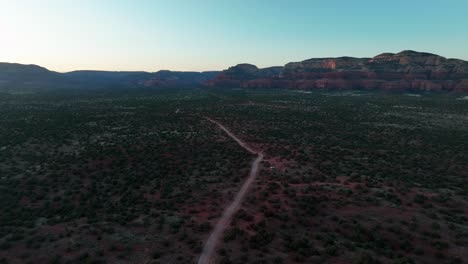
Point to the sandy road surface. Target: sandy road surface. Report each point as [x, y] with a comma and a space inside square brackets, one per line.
[208, 253]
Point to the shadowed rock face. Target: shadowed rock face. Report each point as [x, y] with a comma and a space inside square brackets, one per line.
[407, 70]
[242, 74]
[404, 71]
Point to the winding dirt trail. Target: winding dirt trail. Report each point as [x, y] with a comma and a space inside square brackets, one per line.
[208, 253]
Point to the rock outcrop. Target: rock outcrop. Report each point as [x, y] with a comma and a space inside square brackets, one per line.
[407, 70]
[404, 71]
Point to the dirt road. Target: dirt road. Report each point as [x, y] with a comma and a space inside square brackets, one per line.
[208, 253]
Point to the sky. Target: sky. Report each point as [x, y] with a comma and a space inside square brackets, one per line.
[199, 35]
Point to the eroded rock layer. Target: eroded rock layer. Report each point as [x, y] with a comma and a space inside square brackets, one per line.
[407, 70]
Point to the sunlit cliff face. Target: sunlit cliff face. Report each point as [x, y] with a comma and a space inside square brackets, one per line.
[329, 64]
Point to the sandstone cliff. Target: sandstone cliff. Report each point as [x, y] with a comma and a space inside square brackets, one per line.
[407, 70]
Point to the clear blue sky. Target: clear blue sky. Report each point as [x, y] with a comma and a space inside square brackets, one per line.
[151, 35]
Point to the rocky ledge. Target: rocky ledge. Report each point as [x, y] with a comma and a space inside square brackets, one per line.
[404, 71]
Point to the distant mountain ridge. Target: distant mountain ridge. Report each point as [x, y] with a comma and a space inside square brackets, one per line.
[407, 70]
[14, 75]
[404, 71]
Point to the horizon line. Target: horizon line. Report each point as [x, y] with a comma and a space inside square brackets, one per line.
[224, 68]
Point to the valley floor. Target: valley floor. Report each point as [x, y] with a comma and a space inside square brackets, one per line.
[142, 177]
